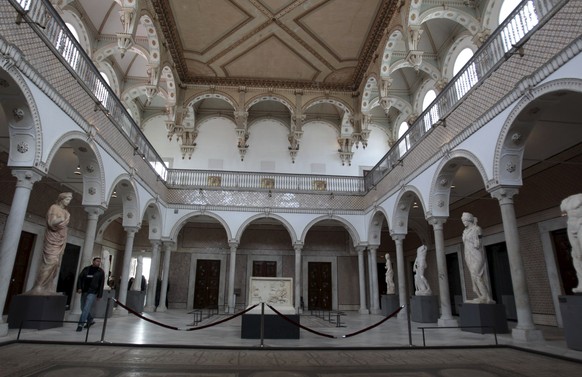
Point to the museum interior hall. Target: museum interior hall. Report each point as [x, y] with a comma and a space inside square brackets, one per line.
[395, 180]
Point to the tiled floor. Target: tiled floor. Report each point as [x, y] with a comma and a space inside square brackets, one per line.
[223, 342]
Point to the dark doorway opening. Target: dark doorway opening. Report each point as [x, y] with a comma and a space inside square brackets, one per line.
[319, 285]
[207, 284]
[18, 277]
[67, 274]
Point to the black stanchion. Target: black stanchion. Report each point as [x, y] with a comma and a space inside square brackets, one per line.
[102, 340]
[262, 324]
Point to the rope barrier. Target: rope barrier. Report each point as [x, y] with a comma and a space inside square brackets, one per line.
[177, 328]
[374, 325]
[300, 325]
[222, 320]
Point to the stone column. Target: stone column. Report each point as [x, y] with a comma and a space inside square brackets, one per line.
[402, 292]
[374, 302]
[153, 278]
[525, 329]
[25, 179]
[298, 246]
[93, 213]
[231, 272]
[136, 286]
[130, 235]
[362, 279]
[165, 272]
[446, 318]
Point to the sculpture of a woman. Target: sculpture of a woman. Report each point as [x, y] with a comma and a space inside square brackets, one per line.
[420, 282]
[475, 259]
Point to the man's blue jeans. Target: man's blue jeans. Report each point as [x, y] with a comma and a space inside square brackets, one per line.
[87, 300]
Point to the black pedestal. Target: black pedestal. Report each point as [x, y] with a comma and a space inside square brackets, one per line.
[136, 300]
[389, 304]
[99, 306]
[424, 309]
[46, 308]
[490, 316]
[571, 308]
[275, 327]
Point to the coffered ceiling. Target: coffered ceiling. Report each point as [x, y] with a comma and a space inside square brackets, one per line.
[323, 44]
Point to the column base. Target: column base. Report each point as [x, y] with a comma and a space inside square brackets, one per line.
[527, 335]
[451, 322]
[149, 309]
[364, 311]
[375, 311]
[161, 309]
[3, 329]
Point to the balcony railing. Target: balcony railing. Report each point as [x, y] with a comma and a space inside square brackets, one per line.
[505, 41]
[219, 179]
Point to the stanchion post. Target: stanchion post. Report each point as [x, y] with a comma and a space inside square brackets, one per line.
[262, 324]
[409, 324]
[105, 320]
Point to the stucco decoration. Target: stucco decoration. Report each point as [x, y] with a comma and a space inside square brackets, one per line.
[277, 292]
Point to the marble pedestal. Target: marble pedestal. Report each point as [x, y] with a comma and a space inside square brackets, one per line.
[490, 316]
[136, 300]
[571, 308]
[275, 327]
[424, 309]
[49, 308]
[100, 306]
[389, 304]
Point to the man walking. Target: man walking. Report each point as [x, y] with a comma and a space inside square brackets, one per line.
[90, 285]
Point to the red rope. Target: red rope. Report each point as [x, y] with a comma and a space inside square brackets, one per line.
[300, 325]
[377, 324]
[144, 318]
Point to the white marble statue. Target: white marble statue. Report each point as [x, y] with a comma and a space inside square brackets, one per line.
[475, 259]
[106, 266]
[137, 282]
[390, 289]
[572, 207]
[420, 282]
[55, 240]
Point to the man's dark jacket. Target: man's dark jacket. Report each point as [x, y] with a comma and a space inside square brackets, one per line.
[91, 280]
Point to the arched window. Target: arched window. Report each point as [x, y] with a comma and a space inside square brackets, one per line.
[520, 25]
[404, 143]
[469, 77]
[433, 115]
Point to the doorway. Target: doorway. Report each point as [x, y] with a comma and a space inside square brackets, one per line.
[207, 284]
[319, 285]
[21, 262]
[68, 271]
[455, 287]
[500, 278]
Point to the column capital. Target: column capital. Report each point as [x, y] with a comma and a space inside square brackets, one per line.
[131, 229]
[168, 245]
[504, 194]
[233, 244]
[26, 177]
[398, 236]
[437, 221]
[298, 246]
[373, 248]
[156, 242]
[360, 248]
[94, 211]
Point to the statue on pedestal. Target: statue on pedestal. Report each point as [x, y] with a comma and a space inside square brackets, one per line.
[390, 289]
[572, 207]
[420, 282]
[55, 240]
[475, 259]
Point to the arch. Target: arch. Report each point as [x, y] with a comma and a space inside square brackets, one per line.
[273, 119]
[183, 220]
[206, 118]
[130, 200]
[510, 147]
[91, 164]
[399, 103]
[270, 97]
[106, 67]
[440, 188]
[326, 122]
[461, 17]
[371, 94]
[426, 67]
[402, 207]
[104, 222]
[389, 49]
[132, 92]
[279, 218]
[212, 94]
[349, 227]
[331, 100]
[453, 52]
[153, 215]
[152, 36]
[168, 77]
[70, 16]
[109, 49]
[375, 226]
